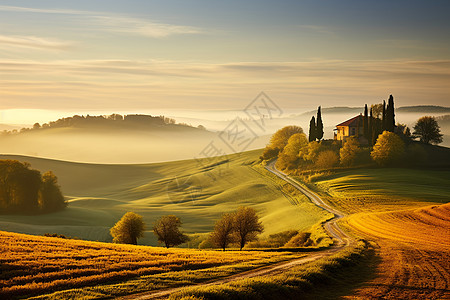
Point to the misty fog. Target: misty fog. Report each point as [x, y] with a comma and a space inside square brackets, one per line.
[158, 145]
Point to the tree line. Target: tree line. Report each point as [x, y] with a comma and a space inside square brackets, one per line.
[113, 120]
[25, 190]
[241, 227]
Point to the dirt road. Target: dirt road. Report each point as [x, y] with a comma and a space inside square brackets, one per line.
[340, 238]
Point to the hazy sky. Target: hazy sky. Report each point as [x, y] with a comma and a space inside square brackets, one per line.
[132, 55]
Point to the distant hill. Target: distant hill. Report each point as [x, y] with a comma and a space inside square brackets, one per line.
[114, 121]
[424, 109]
[404, 109]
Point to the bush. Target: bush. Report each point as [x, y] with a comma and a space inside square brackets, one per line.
[349, 152]
[302, 239]
[327, 159]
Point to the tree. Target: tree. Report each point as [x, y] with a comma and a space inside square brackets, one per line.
[51, 197]
[390, 115]
[247, 225]
[383, 115]
[312, 129]
[427, 130]
[349, 152]
[389, 149]
[223, 231]
[288, 158]
[366, 122]
[128, 229]
[377, 110]
[167, 229]
[280, 138]
[319, 126]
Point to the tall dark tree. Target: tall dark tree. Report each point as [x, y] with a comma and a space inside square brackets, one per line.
[383, 117]
[370, 126]
[390, 115]
[366, 123]
[319, 125]
[312, 129]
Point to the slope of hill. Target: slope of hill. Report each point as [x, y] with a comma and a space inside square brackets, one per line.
[196, 191]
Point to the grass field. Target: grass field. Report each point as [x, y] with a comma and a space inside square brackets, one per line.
[383, 189]
[33, 265]
[195, 191]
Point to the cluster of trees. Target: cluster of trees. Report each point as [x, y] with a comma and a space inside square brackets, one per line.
[25, 190]
[295, 152]
[104, 120]
[241, 226]
[131, 227]
[316, 127]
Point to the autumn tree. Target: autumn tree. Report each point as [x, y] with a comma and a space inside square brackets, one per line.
[279, 140]
[319, 125]
[223, 231]
[389, 149]
[167, 230]
[128, 229]
[427, 130]
[247, 225]
[288, 158]
[312, 129]
[349, 151]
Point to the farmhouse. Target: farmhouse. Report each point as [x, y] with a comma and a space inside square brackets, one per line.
[351, 127]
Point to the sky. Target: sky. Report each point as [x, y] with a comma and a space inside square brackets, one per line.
[152, 56]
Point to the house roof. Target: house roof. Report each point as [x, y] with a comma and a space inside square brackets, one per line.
[353, 122]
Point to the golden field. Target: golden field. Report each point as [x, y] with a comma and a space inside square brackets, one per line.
[32, 265]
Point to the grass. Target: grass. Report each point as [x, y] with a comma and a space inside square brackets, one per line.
[33, 265]
[100, 194]
[383, 189]
[300, 282]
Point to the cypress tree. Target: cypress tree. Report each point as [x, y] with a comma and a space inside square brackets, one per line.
[366, 123]
[319, 126]
[390, 115]
[370, 125]
[312, 129]
[383, 117]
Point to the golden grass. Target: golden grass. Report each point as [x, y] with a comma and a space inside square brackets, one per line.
[33, 265]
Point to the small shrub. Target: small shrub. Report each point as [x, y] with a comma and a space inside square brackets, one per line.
[327, 159]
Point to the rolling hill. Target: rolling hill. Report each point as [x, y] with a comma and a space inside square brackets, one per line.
[194, 190]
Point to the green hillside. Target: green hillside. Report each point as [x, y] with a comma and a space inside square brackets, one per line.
[100, 194]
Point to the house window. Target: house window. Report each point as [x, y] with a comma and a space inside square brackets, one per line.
[353, 131]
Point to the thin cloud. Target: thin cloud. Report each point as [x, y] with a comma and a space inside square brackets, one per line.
[33, 42]
[114, 23]
[141, 27]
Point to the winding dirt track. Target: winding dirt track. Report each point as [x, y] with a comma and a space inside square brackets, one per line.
[341, 239]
